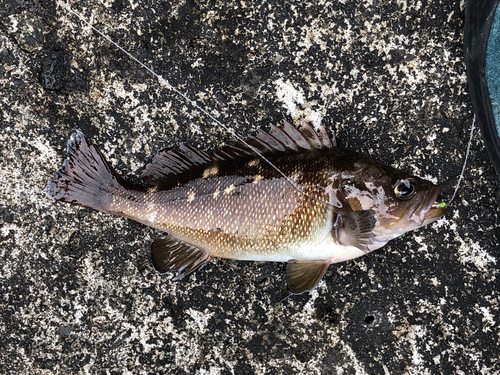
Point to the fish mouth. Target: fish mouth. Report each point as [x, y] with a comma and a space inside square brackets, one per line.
[430, 210]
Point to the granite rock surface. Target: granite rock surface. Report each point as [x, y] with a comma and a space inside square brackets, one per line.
[77, 292]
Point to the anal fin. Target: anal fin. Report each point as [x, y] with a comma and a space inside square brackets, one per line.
[169, 254]
[303, 275]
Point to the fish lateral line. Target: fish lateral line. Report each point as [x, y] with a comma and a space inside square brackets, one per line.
[165, 83]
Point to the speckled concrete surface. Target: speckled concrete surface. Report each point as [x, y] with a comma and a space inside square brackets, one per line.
[77, 293]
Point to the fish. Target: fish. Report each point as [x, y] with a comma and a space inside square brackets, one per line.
[288, 194]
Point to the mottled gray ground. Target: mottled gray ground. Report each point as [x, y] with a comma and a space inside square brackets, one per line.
[77, 293]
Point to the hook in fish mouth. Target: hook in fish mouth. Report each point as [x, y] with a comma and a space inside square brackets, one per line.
[436, 211]
[430, 209]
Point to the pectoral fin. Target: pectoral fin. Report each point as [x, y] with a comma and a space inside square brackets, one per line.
[303, 275]
[169, 254]
[354, 229]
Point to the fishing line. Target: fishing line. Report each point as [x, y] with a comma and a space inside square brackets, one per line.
[466, 158]
[166, 84]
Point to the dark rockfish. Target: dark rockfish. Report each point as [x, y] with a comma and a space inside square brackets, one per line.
[334, 204]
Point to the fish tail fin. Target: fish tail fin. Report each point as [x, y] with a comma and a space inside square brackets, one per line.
[85, 178]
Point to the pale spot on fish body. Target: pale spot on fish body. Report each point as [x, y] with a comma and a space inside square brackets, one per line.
[253, 162]
[216, 194]
[229, 189]
[258, 178]
[211, 172]
[153, 189]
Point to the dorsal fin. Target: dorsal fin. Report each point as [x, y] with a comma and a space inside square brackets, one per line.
[275, 141]
[168, 162]
[312, 138]
[296, 136]
[328, 142]
[173, 161]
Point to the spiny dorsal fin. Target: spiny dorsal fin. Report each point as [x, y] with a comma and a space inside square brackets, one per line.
[321, 138]
[173, 161]
[303, 275]
[169, 254]
[312, 138]
[276, 141]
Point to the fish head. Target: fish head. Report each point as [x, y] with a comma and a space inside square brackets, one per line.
[400, 202]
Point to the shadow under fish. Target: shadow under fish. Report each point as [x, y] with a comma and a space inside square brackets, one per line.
[326, 206]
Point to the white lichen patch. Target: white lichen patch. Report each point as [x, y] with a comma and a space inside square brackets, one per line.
[356, 363]
[291, 97]
[488, 318]
[471, 252]
[199, 319]
[313, 34]
[45, 150]
[294, 101]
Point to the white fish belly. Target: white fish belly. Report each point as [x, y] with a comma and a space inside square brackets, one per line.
[327, 250]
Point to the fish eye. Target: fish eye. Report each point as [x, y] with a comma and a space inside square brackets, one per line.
[405, 188]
